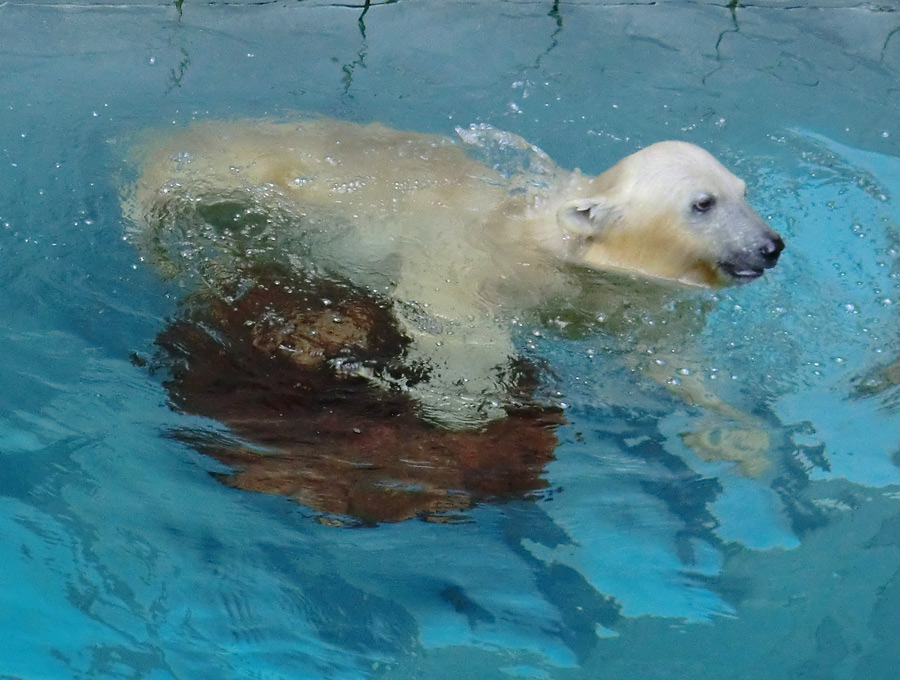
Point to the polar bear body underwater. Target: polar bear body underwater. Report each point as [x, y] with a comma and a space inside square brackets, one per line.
[464, 250]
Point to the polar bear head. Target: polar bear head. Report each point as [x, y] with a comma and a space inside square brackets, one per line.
[669, 211]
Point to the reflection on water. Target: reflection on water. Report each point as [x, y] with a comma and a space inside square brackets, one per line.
[124, 558]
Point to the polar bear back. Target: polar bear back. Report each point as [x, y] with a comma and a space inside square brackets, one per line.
[416, 194]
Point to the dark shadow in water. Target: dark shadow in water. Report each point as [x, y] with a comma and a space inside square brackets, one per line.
[360, 61]
[732, 8]
[177, 73]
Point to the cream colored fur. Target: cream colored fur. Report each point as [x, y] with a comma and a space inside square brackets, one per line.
[463, 249]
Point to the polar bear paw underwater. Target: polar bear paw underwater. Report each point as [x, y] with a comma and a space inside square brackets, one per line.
[463, 252]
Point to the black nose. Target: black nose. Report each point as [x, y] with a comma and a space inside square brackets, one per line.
[770, 251]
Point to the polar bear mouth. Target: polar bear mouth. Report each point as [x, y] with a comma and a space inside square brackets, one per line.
[741, 274]
[749, 265]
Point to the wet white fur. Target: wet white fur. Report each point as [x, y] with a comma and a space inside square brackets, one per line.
[462, 247]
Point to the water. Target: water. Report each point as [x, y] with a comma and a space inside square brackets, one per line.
[123, 557]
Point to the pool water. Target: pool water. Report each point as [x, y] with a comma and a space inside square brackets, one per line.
[123, 557]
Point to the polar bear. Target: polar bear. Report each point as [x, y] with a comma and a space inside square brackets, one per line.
[468, 251]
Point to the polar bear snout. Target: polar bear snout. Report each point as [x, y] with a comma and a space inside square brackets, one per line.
[770, 251]
[746, 265]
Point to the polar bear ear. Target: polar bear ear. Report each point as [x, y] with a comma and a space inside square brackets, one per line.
[585, 217]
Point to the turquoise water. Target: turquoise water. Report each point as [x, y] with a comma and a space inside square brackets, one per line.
[123, 558]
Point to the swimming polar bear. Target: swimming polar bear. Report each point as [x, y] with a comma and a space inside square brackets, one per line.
[467, 252]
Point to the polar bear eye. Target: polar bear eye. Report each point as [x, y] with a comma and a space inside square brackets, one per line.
[703, 203]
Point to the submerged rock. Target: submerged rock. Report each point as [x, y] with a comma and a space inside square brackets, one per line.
[284, 362]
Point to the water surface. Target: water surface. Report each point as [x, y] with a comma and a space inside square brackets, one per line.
[123, 557]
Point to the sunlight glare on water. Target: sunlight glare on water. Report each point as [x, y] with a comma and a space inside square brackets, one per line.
[124, 557]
